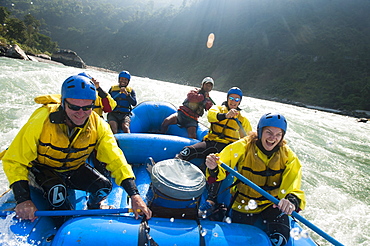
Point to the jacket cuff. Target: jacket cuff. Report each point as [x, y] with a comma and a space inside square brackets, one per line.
[221, 116]
[21, 191]
[213, 172]
[295, 200]
[130, 186]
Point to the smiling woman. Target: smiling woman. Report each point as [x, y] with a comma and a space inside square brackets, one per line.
[271, 137]
[266, 160]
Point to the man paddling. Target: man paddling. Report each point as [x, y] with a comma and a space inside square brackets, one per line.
[51, 149]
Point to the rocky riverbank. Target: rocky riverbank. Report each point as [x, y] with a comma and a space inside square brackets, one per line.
[45, 60]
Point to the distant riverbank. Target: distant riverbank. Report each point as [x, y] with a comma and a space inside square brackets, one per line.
[40, 59]
[361, 115]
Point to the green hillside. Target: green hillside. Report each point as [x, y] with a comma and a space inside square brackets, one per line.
[314, 52]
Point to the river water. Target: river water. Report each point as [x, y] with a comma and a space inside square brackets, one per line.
[334, 150]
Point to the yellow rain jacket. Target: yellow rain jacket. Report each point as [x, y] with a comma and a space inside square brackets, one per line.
[225, 131]
[48, 143]
[99, 106]
[280, 175]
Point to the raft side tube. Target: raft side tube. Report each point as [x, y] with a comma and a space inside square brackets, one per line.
[110, 230]
[147, 117]
[137, 147]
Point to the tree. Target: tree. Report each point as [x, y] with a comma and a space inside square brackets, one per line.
[4, 13]
[16, 30]
[32, 29]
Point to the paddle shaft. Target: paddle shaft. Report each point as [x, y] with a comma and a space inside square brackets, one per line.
[240, 126]
[75, 212]
[276, 201]
[212, 100]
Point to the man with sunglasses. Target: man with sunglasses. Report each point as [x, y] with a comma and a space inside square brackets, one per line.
[50, 152]
[228, 125]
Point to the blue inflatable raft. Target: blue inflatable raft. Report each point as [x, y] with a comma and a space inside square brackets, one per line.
[172, 201]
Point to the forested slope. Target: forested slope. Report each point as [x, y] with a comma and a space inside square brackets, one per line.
[315, 52]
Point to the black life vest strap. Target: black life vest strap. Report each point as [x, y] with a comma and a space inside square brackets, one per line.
[227, 214]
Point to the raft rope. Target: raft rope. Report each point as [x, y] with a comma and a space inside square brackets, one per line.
[144, 236]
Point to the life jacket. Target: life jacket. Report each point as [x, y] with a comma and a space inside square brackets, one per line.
[225, 131]
[123, 105]
[49, 99]
[268, 177]
[63, 153]
[196, 108]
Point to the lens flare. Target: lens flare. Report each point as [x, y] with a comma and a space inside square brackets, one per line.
[211, 39]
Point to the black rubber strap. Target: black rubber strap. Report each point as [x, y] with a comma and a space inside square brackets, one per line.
[130, 186]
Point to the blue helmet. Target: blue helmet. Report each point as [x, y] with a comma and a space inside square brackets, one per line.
[86, 75]
[271, 119]
[235, 90]
[78, 87]
[125, 74]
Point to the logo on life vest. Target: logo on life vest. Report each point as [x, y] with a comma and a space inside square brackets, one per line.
[185, 152]
[57, 195]
[278, 239]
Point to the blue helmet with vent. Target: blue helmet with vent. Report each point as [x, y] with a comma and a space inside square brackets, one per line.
[86, 75]
[78, 87]
[271, 119]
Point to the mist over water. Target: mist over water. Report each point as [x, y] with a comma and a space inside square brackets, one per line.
[334, 150]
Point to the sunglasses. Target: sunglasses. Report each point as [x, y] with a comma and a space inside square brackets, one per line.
[77, 108]
[236, 99]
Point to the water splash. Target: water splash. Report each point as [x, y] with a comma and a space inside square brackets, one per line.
[7, 237]
[295, 233]
[252, 204]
